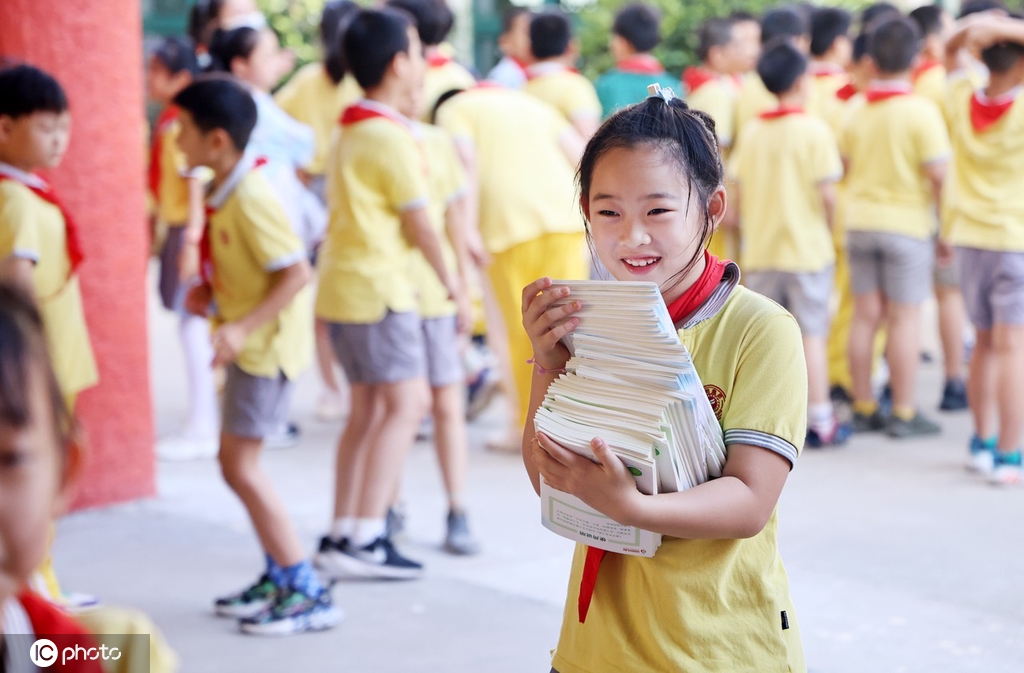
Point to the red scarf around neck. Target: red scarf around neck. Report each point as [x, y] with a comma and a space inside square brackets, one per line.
[679, 310]
[846, 92]
[985, 114]
[879, 95]
[73, 243]
[694, 78]
[781, 112]
[641, 64]
[163, 122]
[437, 59]
[923, 67]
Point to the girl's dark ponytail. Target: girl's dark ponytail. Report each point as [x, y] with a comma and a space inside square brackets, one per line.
[227, 45]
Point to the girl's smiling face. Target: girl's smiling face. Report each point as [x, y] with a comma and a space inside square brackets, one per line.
[647, 220]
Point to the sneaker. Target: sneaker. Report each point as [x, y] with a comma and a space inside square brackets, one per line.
[459, 540]
[331, 407]
[377, 560]
[294, 612]
[983, 455]
[838, 437]
[184, 447]
[394, 522]
[1008, 470]
[954, 396]
[426, 429]
[918, 426]
[481, 393]
[248, 602]
[865, 423]
[885, 401]
[285, 438]
[839, 395]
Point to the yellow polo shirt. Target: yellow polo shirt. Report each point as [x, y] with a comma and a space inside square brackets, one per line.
[887, 144]
[172, 193]
[718, 99]
[569, 92]
[447, 183]
[33, 229]
[527, 185]
[753, 99]
[988, 175]
[313, 99]
[823, 102]
[377, 171]
[931, 84]
[439, 80]
[780, 164]
[250, 239]
[708, 606]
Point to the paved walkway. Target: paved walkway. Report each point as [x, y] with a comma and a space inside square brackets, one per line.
[899, 561]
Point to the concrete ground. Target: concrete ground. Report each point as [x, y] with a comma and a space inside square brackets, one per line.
[899, 560]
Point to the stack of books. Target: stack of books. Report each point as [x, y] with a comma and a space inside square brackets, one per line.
[631, 383]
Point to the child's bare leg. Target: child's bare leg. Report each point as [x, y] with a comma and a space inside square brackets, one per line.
[352, 449]
[903, 353]
[451, 440]
[867, 316]
[981, 385]
[816, 354]
[952, 320]
[1008, 347]
[240, 465]
[497, 342]
[325, 358]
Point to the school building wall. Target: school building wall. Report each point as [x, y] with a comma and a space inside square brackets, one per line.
[95, 51]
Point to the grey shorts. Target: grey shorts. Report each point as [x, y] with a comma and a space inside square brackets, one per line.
[900, 267]
[172, 291]
[992, 283]
[388, 351]
[255, 406]
[805, 295]
[444, 362]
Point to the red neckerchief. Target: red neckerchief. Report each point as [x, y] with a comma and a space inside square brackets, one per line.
[641, 64]
[357, 112]
[679, 310]
[985, 113]
[521, 64]
[846, 92]
[694, 78]
[166, 118]
[205, 247]
[879, 95]
[824, 69]
[923, 67]
[781, 112]
[49, 621]
[73, 243]
[437, 59]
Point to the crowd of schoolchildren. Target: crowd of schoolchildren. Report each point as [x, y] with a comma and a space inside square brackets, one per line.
[386, 208]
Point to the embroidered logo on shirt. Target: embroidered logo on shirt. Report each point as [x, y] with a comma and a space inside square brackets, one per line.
[717, 398]
[224, 237]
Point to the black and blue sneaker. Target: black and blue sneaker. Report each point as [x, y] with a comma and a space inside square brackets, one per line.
[294, 612]
[248, 602]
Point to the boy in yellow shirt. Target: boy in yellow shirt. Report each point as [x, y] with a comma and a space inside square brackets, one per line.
[552, 78]
[987, 227]
[831, 49]
[520, 155]
[254, 269]
[784, 173]
[378, 194]
[897, 149]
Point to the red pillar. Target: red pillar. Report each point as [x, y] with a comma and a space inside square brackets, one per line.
[95, 50]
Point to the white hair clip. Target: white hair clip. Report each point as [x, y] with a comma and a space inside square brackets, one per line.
[655, 91]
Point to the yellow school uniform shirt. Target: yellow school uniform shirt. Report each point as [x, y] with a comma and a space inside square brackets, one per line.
[527, 186]
[988, 212]
[569, 92]
[708, 606]
[376, 171]
[823, 102]
[887, 143]
[752, 100]
[172, 193]
[930, 82]
[250, 239]
[444, 76]
[33, 229]
[717, 98]
[447, 183]
[780, 164]
[312, 98]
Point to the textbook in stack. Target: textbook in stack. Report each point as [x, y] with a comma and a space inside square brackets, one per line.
[632, 383]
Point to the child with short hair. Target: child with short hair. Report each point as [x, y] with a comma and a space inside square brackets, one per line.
[178, 194]
[715, 596]
[897, 149]
[434, 20]
[784, 171]
[636, 31]
[710, 87]
[929, 75]
[514, 44]
[747, 32]
[552, 78]
[986, 224]
[39, 243]
[784, 23]
[254, 271]
[831, 49]
[378, 196]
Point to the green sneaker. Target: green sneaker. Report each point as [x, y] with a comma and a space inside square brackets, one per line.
[864, 423]
[918, 426]
[294, 612]
[248, 602]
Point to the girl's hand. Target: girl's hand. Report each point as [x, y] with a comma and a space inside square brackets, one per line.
[228, 341]
[546, 324]
[607, 485]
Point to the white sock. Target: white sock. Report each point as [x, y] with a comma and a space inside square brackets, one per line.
[821, 418]
[367, 531]
[202, 393]
[342, 528]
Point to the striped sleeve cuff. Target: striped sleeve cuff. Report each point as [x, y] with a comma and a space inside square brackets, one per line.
[415, 204]
[30, 255]
[763, 440]
[285, 261]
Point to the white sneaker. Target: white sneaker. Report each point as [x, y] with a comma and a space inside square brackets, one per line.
[1007, 473]
[285, 438]
[184, 447]
[331, 407]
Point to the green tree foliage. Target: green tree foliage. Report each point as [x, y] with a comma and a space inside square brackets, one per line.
[297, 22]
